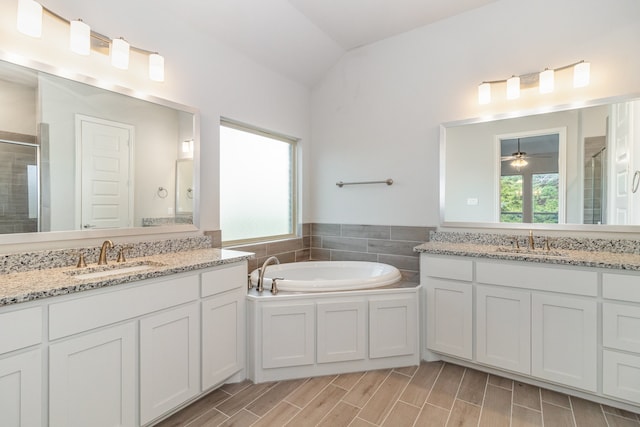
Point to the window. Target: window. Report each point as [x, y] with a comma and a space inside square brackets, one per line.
[257, 184]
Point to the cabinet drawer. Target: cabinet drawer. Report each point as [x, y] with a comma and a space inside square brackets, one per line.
[20, 329]
[621, 327]
[546, 278]
[623, 287]
[621, 375]
[447, 268]
[82, 314]
[224, 279]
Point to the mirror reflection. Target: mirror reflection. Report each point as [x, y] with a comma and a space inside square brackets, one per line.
[572, 166]
[77, 157]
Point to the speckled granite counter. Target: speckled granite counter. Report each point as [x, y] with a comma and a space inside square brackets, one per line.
[36, 284]
[600, 259]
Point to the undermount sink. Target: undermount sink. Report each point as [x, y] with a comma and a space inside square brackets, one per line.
[112, 270]
[535, 252]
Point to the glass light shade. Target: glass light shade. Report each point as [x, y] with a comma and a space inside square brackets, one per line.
[519, 163]
[581, 74]
[546, 81]
[156, 67]
[120, 53]
[484, 93]
[187, 146]
[30, 18]
[80, 37]
[513, 88]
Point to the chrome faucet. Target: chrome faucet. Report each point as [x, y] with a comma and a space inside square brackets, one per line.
[532, 245]
[260, 285]
[102, 259]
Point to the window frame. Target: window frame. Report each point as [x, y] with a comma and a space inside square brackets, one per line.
[293, 179]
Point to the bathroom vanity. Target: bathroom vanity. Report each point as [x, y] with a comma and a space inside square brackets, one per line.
[128, 352]
[567, 322]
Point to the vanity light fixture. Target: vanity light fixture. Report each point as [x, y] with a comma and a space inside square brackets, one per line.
[545, 80]
[79, 37]
[513, 88]
[187, 146]
[29, 22]
[120, 53]
[30, 18]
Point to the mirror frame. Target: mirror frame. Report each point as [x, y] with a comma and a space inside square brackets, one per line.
[53, 236]
[605, 228]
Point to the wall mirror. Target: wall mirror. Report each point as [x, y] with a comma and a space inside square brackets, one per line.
[579, 169]
[76, 157]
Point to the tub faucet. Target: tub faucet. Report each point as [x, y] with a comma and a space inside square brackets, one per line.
[532, 244]
[260, 285]
[102, 259]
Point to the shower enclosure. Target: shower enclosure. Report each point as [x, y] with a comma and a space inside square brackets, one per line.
[595, 188]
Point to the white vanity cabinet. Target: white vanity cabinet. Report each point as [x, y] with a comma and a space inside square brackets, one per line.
[21, 367]
[124, 355]
[223, 323]
[621, 336]
[537, 321]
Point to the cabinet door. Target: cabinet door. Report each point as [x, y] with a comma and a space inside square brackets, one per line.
[223, 337]
[393, 326]
[288, 335]
[169, 360]
[341, 331]
[621, 375]
[92, 379]
[449, 317]
[503, 328]
[21, 390]
[564, 340]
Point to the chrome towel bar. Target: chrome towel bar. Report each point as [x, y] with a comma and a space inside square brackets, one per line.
[387, 181]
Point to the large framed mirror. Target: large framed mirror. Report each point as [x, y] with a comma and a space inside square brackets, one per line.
[77, 158]
[568, 167]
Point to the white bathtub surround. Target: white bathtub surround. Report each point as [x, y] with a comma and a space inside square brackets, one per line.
[326, 276]
[297, 335]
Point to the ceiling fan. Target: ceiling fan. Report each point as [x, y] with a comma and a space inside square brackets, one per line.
[519, 158]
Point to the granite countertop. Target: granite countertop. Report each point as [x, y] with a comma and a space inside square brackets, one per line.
[36, 284]
[600, 259]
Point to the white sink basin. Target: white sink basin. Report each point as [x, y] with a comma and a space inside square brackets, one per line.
[112, 270]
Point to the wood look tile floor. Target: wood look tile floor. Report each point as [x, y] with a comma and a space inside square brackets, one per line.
[433, 394]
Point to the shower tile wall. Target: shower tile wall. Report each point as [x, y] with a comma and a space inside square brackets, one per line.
[14, 201]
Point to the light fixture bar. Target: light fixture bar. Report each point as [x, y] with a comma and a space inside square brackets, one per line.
[546, 79]
[29, 22]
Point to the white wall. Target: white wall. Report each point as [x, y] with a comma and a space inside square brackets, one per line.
[18, 108]
[200, 72]
[376, 113]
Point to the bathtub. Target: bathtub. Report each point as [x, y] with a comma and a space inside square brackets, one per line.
[328, 276]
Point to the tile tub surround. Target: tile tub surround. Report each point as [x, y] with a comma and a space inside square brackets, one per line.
[44, 260]
[36, 284]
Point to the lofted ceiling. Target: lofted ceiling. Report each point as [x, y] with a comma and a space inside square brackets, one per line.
[300, 39]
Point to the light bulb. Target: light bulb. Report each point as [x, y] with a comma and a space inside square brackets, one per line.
[484, 93]
[581, 74]
[156, 67]
[513, 88]
[546, 81]
[30, 18]
[80, 37]
[120, 53]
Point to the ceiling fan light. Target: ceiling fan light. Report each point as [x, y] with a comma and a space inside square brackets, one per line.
[519, 163]
[546, 81]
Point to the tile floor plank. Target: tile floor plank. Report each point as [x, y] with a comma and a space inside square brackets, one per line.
[366, 387]
[558, 399]
[501, 382]
[556, 416]
[341, 415]
[420, 385]
[444, 390]
[319, 407]
[278, 416]
[526, 395]
[616, 421]
[432, 416]
[587, 414]
[402, 415]
[347, 381]
[473, 386]
[268, 400]
[525, 417]
[307, 391]
[464, 414]
[239, 400]
[496, 411]
[384, 398]
[194, 410]
[242, 418]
